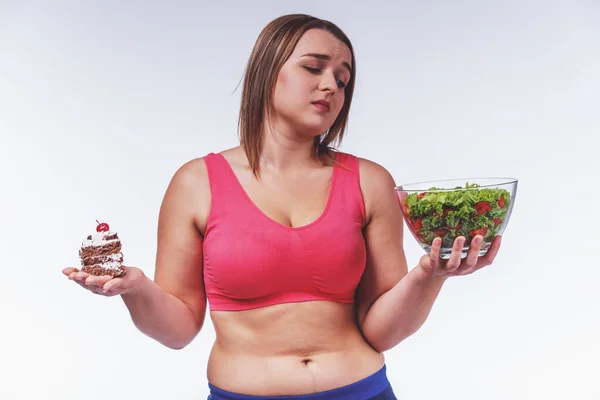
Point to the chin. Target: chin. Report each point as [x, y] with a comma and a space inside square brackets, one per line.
[313, 126]
[312, 131]
[307, 125]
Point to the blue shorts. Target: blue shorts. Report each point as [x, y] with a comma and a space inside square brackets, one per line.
[374, 387]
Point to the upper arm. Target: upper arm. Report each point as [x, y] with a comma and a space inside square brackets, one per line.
[383, 232]
[179, 263]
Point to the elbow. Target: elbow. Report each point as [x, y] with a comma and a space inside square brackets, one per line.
[177, 343]
[381, 345]
[376, 344]
[374, 340]
[382, 341]
[378, 347]
[176, 346]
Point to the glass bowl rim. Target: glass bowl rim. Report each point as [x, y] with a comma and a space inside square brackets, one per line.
[504, 181]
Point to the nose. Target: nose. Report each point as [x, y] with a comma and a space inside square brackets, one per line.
[328, 83]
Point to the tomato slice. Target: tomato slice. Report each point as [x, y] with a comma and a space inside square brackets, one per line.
[482, 207]
[480, 231]
[501, 202]
[417, 224]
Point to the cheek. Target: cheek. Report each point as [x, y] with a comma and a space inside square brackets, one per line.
[339, 104]
[279, 86]
[282, 89]
[290, 92]
[340, 101]
[282, 78]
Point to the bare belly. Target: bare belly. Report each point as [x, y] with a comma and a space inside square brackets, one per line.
[289, 349]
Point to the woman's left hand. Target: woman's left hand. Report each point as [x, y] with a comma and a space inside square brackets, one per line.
[434, 266]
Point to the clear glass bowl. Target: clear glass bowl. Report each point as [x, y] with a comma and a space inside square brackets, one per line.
[457, 207]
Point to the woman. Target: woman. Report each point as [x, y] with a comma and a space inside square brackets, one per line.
[296, 248]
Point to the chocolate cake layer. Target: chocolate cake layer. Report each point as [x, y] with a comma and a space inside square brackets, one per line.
[98, 270]
[100, 259]
[108, 248]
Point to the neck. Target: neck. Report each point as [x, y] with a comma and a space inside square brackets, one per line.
[284, 150]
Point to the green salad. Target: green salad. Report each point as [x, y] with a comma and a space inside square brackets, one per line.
[467, 212]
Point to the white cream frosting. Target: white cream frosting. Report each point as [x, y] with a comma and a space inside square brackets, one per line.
[116, 257]
[98, 239]
[111, 265]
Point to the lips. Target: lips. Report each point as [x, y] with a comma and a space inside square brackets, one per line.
[322, 104]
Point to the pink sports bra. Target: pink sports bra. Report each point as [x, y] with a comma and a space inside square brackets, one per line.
[251, 260]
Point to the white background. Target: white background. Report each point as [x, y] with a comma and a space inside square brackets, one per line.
[101, 102]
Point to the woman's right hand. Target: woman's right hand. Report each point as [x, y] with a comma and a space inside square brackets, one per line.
[107, 285]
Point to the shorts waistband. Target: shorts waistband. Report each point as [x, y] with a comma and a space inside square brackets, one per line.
[363, 389]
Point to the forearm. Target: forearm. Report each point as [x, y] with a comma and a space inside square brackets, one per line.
[161, 316]
[401, 311]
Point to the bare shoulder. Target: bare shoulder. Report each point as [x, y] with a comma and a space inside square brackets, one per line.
[190, 189]
[377, 185]
[189, 175]
[376, 173]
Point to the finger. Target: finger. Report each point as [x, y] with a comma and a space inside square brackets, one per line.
[113, 284]
[434, 254]
[491, 253]
[78, 275]
[91, 288]
[97, 280]
[69, 270]
[487, 258]
[456, 254]
[471, 261]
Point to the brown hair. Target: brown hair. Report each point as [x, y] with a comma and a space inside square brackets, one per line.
[272, 49]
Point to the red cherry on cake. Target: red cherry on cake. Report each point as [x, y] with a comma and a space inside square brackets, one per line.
[102, 227]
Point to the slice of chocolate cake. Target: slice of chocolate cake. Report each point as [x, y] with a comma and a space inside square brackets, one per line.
[101, 253]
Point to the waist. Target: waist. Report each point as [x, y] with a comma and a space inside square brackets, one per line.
[290, 349]
[293, 329]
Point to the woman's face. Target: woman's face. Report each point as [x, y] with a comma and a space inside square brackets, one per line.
[309, 92]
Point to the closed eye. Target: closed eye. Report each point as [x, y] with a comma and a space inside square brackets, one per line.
[313, 70]
[341, 84]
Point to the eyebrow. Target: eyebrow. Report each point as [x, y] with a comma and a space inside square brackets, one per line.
[328, 58]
